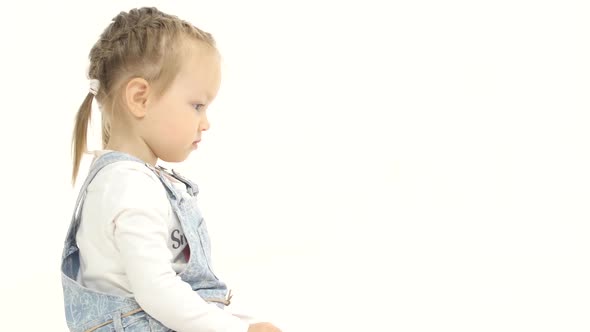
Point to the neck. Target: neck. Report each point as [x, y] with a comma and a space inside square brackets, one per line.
[133, 146]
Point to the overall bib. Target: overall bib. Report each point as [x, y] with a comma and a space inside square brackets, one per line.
[90, 310]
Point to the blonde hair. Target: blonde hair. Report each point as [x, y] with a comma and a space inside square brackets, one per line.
[143, 42]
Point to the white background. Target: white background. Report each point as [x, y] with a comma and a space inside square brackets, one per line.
[371, 166]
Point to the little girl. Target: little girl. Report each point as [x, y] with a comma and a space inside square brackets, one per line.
[137, 253]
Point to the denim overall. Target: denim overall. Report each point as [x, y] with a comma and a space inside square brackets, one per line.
[89, 310]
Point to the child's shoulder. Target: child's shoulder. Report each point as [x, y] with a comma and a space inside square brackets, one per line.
[126, 179]
[129, 171]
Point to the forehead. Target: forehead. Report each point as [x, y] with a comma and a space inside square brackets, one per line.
[200, 72]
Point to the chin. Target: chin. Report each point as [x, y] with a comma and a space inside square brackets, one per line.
[174, 158]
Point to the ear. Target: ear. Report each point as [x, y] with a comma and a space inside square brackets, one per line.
[137, 92]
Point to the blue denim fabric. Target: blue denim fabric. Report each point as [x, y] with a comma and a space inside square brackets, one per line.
[87, 309]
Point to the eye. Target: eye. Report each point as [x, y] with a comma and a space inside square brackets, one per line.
[198, 107]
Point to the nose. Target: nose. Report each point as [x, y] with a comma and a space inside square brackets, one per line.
[204, 125]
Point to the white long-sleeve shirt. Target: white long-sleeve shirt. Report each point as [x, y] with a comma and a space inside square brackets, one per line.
[131, 244]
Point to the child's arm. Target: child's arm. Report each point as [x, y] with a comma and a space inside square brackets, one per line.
[141, 234]
[263, 327]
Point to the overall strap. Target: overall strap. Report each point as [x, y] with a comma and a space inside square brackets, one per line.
[191, 187]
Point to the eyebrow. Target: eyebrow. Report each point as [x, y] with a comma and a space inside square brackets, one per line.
[208, 96]
[202, 97]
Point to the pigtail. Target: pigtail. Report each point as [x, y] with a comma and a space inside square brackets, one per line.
[79, 137]
[106, 131]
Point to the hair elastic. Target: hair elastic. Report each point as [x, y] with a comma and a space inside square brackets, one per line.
[94, 86]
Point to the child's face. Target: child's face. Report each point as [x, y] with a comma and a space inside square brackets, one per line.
[175, 121]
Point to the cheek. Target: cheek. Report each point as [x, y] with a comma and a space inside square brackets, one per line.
[161, 123]
[174, 122]
[182, 124]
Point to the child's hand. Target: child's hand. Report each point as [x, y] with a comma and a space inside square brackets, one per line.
[263, 327]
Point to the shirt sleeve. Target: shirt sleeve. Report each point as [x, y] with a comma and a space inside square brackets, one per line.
[140, 235]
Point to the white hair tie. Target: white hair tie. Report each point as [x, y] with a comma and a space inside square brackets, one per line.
[94, 86]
